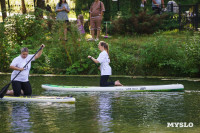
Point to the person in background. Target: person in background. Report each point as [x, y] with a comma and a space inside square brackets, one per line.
[157, 5]
[80, 24]
[50, 16]
[105, 68]
[96, 14]
[62, 9]
[21, 84]
[143, 3]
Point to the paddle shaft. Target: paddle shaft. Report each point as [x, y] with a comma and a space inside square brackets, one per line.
[5, 88]
[26, 64]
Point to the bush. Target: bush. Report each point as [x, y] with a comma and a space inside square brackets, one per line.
[4, 54]
[143, 23]
[192, 54]
[24, 29]
[161, 56]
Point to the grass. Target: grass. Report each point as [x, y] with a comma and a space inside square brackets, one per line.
[140, 39]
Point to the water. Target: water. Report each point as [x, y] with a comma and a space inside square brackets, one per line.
[103, 112]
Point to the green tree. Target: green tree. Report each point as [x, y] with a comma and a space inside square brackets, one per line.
[112, 8]
[187, 2]
[40, 5]
[82, 7]
[4, 61]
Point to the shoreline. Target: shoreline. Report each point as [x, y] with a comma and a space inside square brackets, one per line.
[117, 76]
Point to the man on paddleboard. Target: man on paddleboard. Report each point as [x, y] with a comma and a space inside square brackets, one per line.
[21, 82]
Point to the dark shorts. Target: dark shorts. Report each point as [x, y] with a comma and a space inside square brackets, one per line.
[104, 81]
[18, 86]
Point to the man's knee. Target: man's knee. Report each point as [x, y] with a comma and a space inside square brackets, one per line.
[17, 92]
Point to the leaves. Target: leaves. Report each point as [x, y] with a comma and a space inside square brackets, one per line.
[143, 23]
[162, 53]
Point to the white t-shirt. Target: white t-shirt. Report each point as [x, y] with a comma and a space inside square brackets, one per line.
[21, 62]
[104, 60]
[158, 2]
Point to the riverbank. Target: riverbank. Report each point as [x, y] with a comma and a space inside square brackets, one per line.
[117, 76]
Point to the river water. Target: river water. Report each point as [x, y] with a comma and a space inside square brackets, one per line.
[104, 112]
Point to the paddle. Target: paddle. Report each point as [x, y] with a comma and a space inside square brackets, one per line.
[5, 88]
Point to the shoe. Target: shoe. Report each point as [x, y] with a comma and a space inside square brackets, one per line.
[91, 39]
[97, 39]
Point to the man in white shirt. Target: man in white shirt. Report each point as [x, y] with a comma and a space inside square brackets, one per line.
[21, 82]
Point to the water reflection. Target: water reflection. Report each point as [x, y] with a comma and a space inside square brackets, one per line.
[160, 108]
[20, 118]
[105, 111]
[129, 111]
[192, 108]
[5, 117]
[104, 115]
[35, 117]
[56, 105]
[51, 117]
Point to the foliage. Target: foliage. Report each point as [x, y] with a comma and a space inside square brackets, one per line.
[111, 7]
[192, 51]
[170, 22]
[187, 1]
[177, 58]
[59, 56]
[166, 53]
[143, 23]
[159, 57]
[24, 29]
[4, 55]
[82, 7]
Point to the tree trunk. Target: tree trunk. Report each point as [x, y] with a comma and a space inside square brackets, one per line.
[9, 6]
[3, 9]
[23, 6]
[40, 4]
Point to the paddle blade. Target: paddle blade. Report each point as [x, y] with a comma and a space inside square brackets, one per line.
[4, 90]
